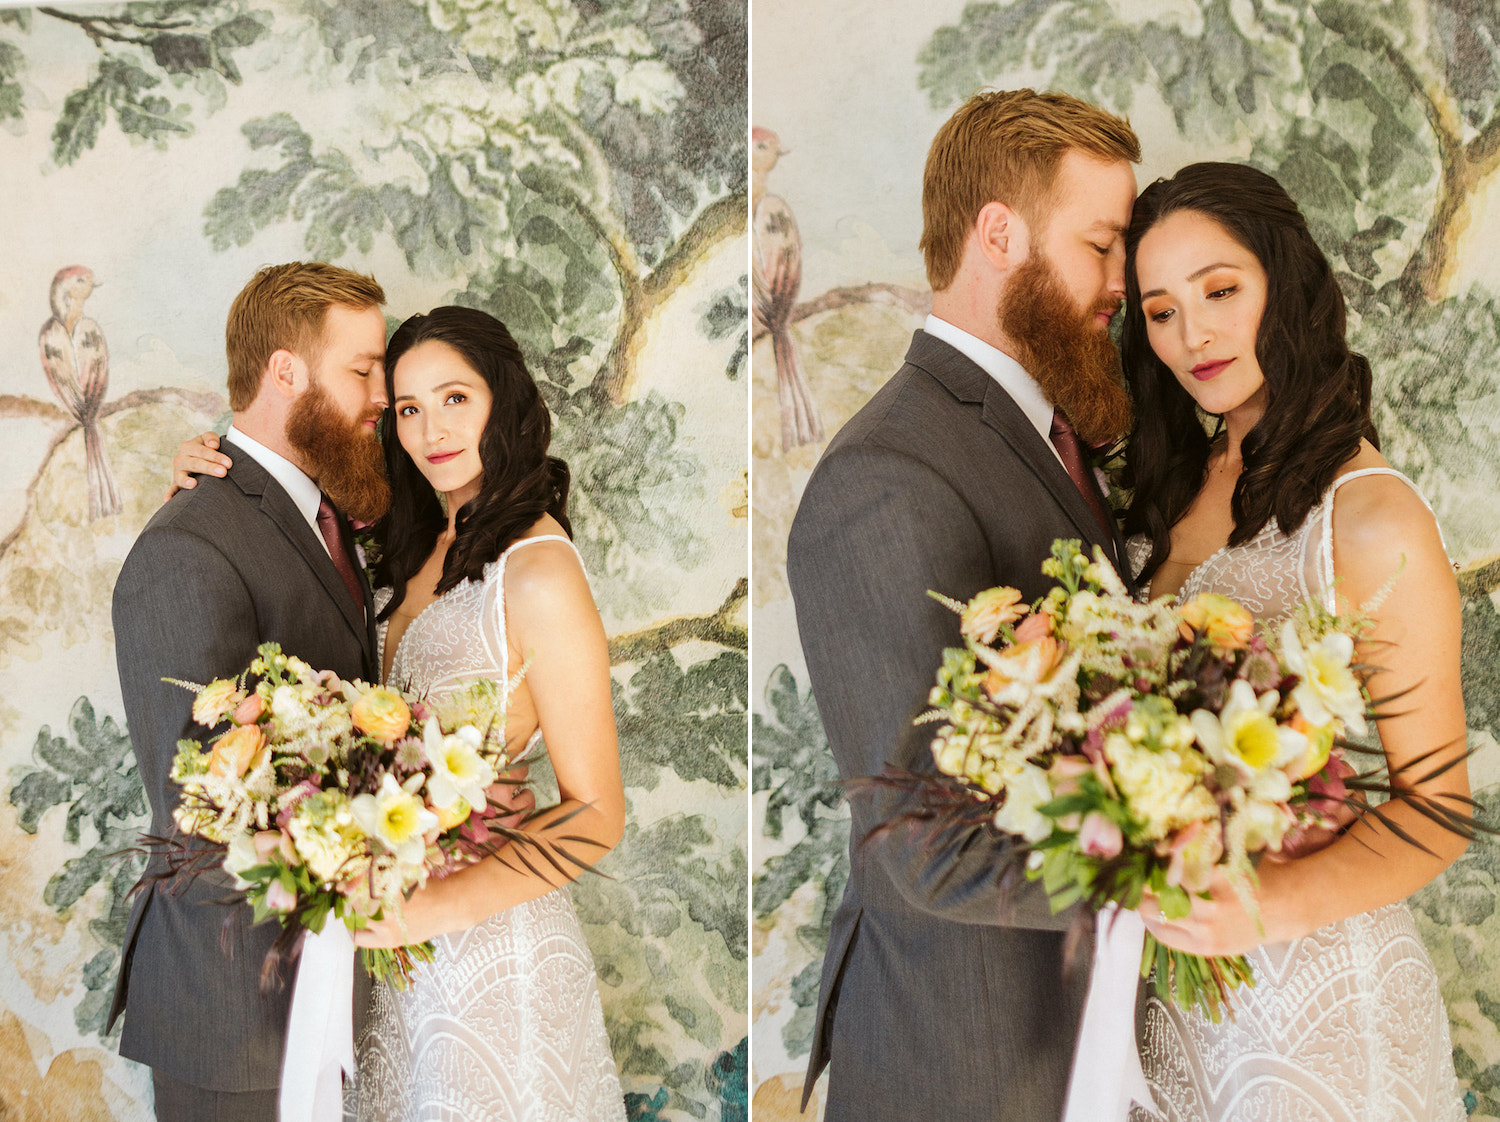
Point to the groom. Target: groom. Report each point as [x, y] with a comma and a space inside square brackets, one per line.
[940, 997]
[261, 555]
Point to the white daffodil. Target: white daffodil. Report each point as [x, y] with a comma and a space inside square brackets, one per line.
[1328, 688]
[458, 770]
[397, 818]
[1245, 735]
[1025, 790]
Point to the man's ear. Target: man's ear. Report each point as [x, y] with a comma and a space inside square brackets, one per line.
[287, 374]
[1002, 236]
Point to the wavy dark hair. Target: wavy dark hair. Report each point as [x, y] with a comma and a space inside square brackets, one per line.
[1318, 390]
[520, 481]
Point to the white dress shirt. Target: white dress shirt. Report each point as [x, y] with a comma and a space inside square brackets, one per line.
[303, 491]
[1009, 373]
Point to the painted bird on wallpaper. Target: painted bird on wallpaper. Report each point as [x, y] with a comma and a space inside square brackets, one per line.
[75, 359]
[777, 273]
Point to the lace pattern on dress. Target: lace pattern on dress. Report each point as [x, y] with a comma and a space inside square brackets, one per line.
[506, 1023]
[1345, 1025]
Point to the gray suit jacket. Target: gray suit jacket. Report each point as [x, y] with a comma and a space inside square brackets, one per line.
[935, 1002]
[217, 571]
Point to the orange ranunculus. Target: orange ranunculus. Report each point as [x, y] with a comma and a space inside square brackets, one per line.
[1032, 661]
[381, 713]
[983, 616]
[233, 752]
[1226, 625]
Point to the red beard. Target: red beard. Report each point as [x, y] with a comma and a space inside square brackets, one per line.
[1069, 356]
[341, 455]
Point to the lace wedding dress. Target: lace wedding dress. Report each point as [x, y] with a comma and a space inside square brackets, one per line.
[505, 1024]
[1344, 1025]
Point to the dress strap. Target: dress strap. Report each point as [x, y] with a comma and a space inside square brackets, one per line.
[496, 575]
[1325, 543]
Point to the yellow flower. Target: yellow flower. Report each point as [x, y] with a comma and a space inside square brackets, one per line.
[983, 616]
[458, 769]
[233, 752]
[381, 713]
[1225, 624]
[1245, 735]
[397, 818]
[215, 700]
[1328, 690]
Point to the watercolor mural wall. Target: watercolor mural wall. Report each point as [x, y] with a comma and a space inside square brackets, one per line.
[1383, 121]
[578, 170]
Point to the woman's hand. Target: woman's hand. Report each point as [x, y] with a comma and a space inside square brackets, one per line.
[198, 456]
[1219, 925]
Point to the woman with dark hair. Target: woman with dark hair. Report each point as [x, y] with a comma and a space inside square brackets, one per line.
[1256, 475]
[479, 579]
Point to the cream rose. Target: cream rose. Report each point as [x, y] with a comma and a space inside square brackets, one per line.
[214, 701]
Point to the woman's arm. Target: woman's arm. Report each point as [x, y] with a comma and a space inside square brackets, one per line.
[551, 616]
[1380, 528]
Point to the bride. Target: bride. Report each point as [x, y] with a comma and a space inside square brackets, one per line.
[1232, 311]
[480, 579]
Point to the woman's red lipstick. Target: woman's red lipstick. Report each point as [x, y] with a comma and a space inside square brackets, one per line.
[441, 457]
[1206, 370]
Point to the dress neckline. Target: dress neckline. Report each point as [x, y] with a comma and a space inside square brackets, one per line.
[506, 552]
[1274, 527]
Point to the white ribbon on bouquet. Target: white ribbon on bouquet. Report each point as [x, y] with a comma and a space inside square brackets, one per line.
[1107, 1073]
[320, 1030]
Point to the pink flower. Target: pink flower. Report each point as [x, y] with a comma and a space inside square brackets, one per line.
[1066, 772]
[279, 898]
[249, 711]
[1038, 626]
[1099, 836]
[1326, 790]
[1195, 850]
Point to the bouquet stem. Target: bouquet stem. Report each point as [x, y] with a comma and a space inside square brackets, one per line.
[1189, 980]
[396, 965]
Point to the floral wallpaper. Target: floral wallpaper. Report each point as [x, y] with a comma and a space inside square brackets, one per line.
[576, 169]
[1383, 121]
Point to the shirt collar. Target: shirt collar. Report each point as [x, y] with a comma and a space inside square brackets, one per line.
[1009, 373]
[294, 481]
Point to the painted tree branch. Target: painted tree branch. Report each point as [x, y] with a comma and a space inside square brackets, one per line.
[912, 299]
[32, 408]
[1463, 170]
[722, 219]
[11, 406]
[99, 28]
[719, 627]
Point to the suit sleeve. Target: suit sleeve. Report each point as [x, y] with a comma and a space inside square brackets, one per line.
[181, 610]
[876, 529]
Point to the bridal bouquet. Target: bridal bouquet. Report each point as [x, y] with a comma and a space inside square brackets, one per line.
[332, 797]
[1133, 747]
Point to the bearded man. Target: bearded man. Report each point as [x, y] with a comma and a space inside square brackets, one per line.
[263, 554]
[944, 993]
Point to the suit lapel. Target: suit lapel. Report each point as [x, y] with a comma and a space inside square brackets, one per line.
[969, 382]
[277, 505]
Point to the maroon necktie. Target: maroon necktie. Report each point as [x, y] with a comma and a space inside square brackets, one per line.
[328, 526]
[1065, 440]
